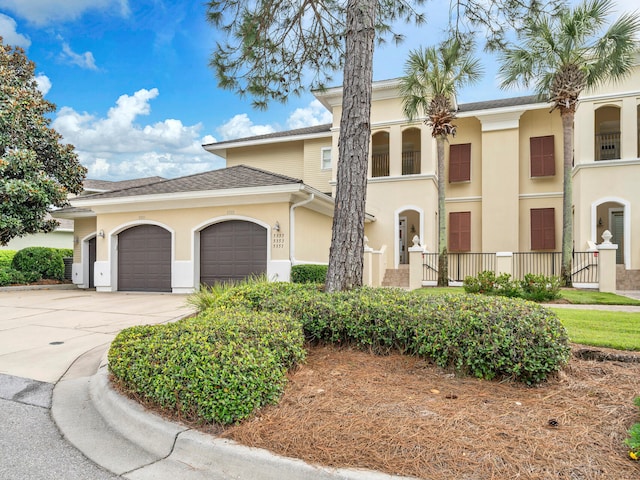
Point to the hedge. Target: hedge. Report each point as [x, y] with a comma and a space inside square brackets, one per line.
[6, 256]
[309, 273]
[47, 262]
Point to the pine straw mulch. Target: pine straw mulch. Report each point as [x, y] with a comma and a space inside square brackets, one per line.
[402, 415]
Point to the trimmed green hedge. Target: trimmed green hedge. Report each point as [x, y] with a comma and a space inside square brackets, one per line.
[538, 288]
[47, 262]
[6, 256]
[218, 367]
[309, 273]
[9, 276]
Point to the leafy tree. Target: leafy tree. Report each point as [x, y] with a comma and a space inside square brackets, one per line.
[561, 56]
[432, 77]
[273, 46]
[36, 170]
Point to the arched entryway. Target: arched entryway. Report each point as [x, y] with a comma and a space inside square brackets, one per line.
[613, 214]
[409, 223]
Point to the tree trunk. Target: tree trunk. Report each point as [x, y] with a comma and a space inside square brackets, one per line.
[443, 262]
[567, 197]
[347, 240]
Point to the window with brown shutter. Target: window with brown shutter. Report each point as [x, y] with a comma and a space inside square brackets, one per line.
[543, 161]
[460, 162]
[543, 229]
[460, 231]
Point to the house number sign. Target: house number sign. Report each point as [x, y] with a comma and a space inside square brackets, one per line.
[278, 240]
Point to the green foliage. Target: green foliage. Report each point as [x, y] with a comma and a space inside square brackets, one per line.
[309, 273]
[217, 367]
[46, 262]
[9, 276]
[66, 252]
[36, 170]
[6, 256]
[538, 288]
[484, 337]
[633, 441]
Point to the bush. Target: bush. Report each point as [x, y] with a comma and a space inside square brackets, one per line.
[66, 252]
[6, 256]
[483, 337]
[47, 262]
[633, 441]
[217, 367]
[9, 276]
[538, 288]
[309, 273]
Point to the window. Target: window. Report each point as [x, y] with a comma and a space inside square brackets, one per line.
[325, 158]
[543, 161]
[543, 229]
[460, 163]
[460, 231]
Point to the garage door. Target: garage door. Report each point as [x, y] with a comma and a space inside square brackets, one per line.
[144, 259]
[231, 251]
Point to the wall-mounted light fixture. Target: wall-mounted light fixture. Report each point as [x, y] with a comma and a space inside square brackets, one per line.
[276, 227]
[101, 233]
[76, 240]
[600, 222]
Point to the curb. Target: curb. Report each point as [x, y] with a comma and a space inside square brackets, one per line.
[60, 286]
[121, 436]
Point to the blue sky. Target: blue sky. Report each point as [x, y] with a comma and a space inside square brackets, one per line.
[134, 91]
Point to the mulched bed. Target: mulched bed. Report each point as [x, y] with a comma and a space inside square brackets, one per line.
[402, 415]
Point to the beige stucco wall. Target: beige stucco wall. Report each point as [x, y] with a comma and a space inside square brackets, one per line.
[83, 227]
[475, 208]
[468, 131]
[313, 174]
[283, 158]
[312, 236]
[183, 222]
[526, 204]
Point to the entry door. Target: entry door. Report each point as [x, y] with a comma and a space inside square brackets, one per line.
[617, 230]
[92, 262]
[402, 240]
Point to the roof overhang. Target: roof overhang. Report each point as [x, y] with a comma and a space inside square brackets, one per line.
[221, 149]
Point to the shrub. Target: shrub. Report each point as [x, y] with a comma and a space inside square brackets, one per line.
[218, 367]
[66, 252]
[540, 288]
[309, 273]
[5, 258]
[9, 276]
[633, 441]
[47, 262]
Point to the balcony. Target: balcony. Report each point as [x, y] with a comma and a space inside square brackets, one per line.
[607, 146]
[410, 163]
[380, 165]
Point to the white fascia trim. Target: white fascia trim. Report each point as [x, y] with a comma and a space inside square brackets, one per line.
[165, 197]
[463, 199]
[221, 149]
[609, 96]
[541, 195]
[604, 164]
[74, 215]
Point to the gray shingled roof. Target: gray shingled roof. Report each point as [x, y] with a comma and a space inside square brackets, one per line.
[240, 176]
[501, 103]
[325, 128]
[107, 185]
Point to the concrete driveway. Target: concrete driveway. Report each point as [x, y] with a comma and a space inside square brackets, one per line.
[42, 332]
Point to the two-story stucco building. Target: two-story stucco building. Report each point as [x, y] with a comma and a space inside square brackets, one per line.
[272, 206]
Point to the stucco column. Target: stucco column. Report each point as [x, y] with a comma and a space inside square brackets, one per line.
[629, 129]
[415, 264]
[583, 140]
[607, 264]
[367, 269]
[395, 151]
[504, 263]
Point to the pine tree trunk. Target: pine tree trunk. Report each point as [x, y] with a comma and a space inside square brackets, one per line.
[443, 261]
[567, 197]
[347, 240]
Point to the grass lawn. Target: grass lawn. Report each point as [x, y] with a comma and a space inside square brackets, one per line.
[593, 297]
[619, 330]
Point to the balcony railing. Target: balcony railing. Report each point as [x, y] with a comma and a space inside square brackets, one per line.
[607, 146]
[584, 268]
[380, 165]
[410, 163]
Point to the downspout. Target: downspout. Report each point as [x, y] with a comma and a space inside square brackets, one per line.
[292, 226]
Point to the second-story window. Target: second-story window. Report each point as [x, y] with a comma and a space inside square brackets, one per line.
[543, 160]
[325, 155]
[460, 163]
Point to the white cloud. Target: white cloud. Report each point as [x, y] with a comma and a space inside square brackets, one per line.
[9, 33]
[43, 82]
[116, 147]
[314, 114]
[46, 12]
[241, 126]
[83, 60]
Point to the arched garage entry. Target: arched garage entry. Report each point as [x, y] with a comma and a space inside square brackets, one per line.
[231, 251]
[144, 259]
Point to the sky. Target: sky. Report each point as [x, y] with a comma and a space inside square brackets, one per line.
[136, 96]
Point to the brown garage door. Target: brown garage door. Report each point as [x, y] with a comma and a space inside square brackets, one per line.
[231, 251]
[144, 259]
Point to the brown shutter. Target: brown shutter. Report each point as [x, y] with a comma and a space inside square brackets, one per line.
[542, 150]
[460, 163]
[460, 231]
[543, 229]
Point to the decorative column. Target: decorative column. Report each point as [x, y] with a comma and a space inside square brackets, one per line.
[415, 264]
[607, 263]
[367, 264]
[504, 263]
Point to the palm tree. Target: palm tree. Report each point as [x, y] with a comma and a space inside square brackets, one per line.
[560, 56]
[432, 77]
